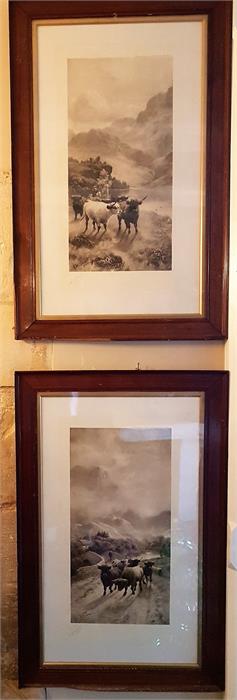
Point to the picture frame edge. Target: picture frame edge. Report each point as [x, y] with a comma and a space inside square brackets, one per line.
[214, 324]
[206, 678]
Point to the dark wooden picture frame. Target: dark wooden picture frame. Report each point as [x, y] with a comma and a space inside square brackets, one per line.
[209, 675]
[213, 323]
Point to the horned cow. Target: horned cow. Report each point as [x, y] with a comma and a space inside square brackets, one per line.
[98, 212]
[108, 575]
[134, 574]
[129, 212]
[121, 583]
[147, 569]
[77, 205]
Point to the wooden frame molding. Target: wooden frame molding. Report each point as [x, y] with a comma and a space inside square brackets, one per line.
[210, 674]
[213, 324]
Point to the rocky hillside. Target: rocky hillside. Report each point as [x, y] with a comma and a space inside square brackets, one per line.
[139, 150]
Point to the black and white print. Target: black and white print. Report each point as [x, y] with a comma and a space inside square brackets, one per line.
[120, 153]
[120, 487]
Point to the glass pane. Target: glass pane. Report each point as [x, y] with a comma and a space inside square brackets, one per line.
[121, 503]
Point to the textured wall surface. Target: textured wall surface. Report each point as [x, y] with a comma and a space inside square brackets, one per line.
[17, 355]
[14, 355]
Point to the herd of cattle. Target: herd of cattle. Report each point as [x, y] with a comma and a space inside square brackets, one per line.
[99, 212]
[124, 574]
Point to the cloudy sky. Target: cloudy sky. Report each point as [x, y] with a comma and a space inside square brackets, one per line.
[103, 90]
[115, 470]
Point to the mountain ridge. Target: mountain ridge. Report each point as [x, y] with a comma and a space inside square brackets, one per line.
[133, 146]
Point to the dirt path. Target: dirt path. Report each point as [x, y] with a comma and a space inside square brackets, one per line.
[149, 606]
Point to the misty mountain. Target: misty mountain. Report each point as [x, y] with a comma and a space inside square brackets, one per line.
[151, 525]
[152, 128]
[90, 487]
[134, 147]
[102, 142]
[123, 122]
[95, 478]
[120, 528]
[163, 170]
[110, 489]
[157, 106]
[127, 525]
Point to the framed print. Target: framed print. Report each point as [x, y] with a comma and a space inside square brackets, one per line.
[121, 483]
[120, 148]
